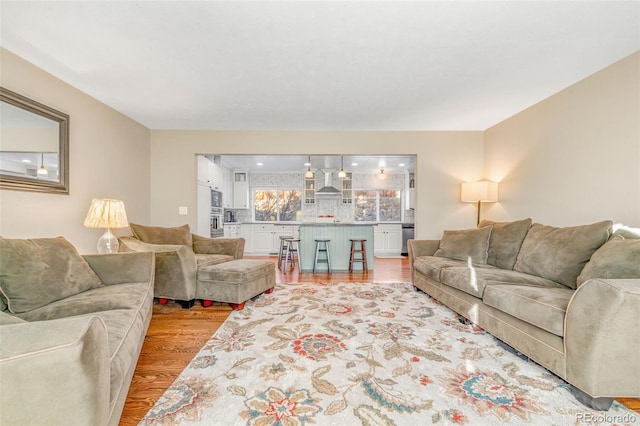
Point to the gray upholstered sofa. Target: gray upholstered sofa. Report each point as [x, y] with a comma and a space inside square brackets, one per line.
[568, 298]
[179, 256]
[71, 330]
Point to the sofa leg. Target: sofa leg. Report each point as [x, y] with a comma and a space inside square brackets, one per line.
[237, 306]
[268, 291]
[186, 304]
[600, 404]
[163, 301]
[207, 303]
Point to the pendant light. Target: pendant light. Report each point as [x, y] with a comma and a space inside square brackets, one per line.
[381, 175]
[308, 174]
[342, 174]
[42, 171]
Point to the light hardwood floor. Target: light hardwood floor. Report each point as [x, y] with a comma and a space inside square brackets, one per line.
[176, 335]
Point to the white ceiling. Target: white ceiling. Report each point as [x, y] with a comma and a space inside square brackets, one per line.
[323, 65]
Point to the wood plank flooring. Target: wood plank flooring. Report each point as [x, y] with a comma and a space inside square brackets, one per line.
[176, 335]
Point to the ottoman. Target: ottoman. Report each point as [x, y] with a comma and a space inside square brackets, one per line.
[235, 282]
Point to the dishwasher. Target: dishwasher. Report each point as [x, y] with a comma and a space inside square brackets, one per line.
[407, 234]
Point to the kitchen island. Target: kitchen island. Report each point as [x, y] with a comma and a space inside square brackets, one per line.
[339, 248]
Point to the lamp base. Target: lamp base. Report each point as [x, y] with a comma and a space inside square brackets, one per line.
[108, 243]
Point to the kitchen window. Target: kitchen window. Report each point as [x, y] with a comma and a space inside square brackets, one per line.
[277, 205]
[378, 205]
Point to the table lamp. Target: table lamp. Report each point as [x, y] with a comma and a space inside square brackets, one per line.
[479, 192]
[106, 213]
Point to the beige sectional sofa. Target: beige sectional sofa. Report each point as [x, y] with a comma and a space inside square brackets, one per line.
[71, 331]
[568, 298]
[179, 256]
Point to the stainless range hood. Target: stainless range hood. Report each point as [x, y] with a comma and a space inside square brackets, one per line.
[327, 189]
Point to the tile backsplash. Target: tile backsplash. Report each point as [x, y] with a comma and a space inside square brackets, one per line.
[324, 205]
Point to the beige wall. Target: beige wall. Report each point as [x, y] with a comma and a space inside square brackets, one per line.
[109, 157]
[444, 160]
[575, 157]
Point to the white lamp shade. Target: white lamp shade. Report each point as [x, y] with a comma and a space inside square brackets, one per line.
[106, 213]
[483, 191]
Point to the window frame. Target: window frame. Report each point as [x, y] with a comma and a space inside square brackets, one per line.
[277, 191]
[377, 203]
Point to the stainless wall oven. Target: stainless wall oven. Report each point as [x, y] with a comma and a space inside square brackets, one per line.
[216, 199]
[216, 222]
[217, 214]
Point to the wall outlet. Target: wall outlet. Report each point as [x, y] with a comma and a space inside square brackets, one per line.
[182, 210]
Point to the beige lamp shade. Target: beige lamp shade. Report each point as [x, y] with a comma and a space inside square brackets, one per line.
[106, 213]
[484, 191]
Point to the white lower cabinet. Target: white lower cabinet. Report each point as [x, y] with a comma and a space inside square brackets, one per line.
[262, 239]
[265, 238]
[231, 230]
[387, 240]
[246, 232]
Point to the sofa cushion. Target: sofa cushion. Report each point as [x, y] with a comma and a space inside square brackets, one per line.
[107, 298]
[36, 272]
[474, 280]
[617, 258]
[431, 265]
[126, 329]
[540, 306]
[465, 244]
[212, 259]
[180, 235]
[6, 319]
[505, 242]
[559, 254]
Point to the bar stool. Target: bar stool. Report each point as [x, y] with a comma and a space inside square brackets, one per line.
[292, 253]
[282, 253]
[363, 253]
[322, 246]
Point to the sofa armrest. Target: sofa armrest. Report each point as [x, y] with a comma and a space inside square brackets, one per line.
[602, 337]
[119, 268]
[422, 247]
[175, 270]
[55, 372]
[417, 248]
[229, 246]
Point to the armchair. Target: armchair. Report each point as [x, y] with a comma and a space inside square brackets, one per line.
[179, 254]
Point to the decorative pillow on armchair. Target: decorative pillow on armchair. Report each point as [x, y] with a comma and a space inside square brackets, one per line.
[180, 235]
[617, 258]
[465, 244]
[34, 273]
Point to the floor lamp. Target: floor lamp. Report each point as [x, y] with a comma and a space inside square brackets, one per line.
[479, 192]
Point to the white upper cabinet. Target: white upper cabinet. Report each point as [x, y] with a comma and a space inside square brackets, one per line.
[240, 190]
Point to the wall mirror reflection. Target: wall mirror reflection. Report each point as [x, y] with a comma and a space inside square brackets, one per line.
[34, 145]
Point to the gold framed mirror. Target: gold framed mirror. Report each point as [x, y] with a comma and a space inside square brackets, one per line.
[34, 145]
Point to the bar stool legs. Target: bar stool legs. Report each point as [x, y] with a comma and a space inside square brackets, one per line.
[322, 246]
[282, 253]
[362, 250]
[292, 253]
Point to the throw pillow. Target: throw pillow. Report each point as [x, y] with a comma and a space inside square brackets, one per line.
[617, 258]
[180, 235]
[505, 242]
[465, 244]
[36, 272]
[559, 254]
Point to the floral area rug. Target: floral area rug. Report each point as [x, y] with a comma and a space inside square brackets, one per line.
[363, 353]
